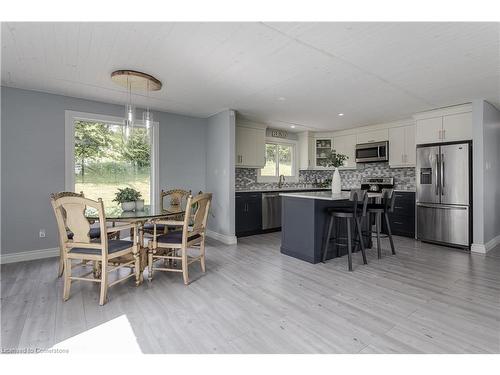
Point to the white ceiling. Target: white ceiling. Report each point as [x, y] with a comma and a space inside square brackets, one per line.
[371, 72]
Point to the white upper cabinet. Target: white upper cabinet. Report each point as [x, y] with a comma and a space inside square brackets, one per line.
[444, 125]
[346, 144]
[306, 151]
[429, 130]
[250, 147]
[402, 147]
[321, 147]
[457, 127]
[378, 135]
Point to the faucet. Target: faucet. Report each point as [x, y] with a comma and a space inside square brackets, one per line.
[281, 181]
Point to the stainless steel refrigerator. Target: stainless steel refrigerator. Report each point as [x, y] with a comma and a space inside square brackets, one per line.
[444, 194]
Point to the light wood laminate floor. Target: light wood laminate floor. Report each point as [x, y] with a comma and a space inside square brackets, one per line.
[425, 299]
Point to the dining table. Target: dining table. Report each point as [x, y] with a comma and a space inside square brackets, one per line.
[116, 215]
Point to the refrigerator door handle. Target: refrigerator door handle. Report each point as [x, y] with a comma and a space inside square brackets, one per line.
[442, 174]
[442, 206]
[437, 174]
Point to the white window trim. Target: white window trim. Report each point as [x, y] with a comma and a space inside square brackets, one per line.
[69, 141]
[295, 162]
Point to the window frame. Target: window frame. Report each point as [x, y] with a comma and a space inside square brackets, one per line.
[69, 145]
[295, 164]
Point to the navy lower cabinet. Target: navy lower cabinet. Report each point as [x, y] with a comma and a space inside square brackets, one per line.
[248, 215]
[402, 220]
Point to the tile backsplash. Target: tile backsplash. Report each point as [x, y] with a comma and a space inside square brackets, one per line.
[404, 178]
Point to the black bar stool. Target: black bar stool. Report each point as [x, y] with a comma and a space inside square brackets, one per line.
[356, 212]
[377, 209]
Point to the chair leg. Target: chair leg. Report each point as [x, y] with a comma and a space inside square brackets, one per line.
[202, 259]
[104, 284]
[67, 280]
[358, 226]
[327, 238]
[61, 263]
[185, 274]
[377, 225]
[150, 263]
[137, 267]
[336, 247]
[389, 232]
[349, 244]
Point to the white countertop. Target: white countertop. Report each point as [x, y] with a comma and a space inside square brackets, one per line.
[326, 195]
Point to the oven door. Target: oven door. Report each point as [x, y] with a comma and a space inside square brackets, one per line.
[371, 152]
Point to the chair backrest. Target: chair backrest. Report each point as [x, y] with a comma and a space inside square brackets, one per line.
[196, 217]
[359, 196]
[389, 199]
[175, 197]
[70, 215]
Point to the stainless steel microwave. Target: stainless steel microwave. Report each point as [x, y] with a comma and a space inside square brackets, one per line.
[372, 152]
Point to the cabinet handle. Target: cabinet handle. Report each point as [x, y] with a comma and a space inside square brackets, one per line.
[444, 133]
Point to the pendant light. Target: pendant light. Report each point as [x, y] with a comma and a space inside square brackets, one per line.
[129, 112]
[132, 79]
[147, 115]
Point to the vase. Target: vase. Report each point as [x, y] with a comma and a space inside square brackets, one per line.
[139, 205]
[336, 182]
[128, 206]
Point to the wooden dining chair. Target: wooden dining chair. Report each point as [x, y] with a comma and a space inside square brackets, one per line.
[176, 200]
[95, 232]
[82, 248]
[173, 246]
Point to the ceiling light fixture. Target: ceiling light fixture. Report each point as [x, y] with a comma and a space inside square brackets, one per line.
[292, 126]
[134, 80]
[341, 114]
[282, 98]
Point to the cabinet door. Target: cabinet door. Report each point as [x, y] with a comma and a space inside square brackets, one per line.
[457, 127]
[259, 140]
[346, 144]
[397, 146]
[306, 145]
[429, 130]
[250, 147]
[248, 213]
[322, 145]
[410, 147]
[373, 136]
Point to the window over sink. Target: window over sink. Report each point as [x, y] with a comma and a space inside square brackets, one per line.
[280, 160]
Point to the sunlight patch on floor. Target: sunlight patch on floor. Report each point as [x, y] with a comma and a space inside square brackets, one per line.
[113, 337]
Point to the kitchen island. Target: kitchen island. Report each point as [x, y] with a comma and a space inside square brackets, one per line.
[303, 222]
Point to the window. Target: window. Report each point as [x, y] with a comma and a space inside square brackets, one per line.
[280, 160]
[101, 159]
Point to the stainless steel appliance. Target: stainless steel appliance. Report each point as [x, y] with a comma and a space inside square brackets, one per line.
[376, 184]
[443, 194]
[372, 152]
[271, 210]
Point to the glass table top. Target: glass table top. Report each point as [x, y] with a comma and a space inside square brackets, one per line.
[116, 213]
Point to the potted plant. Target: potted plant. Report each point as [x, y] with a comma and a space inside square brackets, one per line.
[127, 197]
[335, 160]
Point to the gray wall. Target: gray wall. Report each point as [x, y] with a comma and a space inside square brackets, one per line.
[491, 124]
[220, 171]
[486, 170]
[32, 125]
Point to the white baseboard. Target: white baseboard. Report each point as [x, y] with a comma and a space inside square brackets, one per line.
[224, 238]
[29, 255]
[484, 248]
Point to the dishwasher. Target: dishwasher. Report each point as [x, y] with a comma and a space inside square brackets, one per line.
[271, 211]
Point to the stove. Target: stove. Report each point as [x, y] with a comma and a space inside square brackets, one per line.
[376, 184]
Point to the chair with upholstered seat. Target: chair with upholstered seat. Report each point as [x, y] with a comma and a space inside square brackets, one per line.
[355, 213]
[82, 248]
[176, 200]
[94, 233]
[173, 246]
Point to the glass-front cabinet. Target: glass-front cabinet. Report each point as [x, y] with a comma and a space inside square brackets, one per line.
[322, 146]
